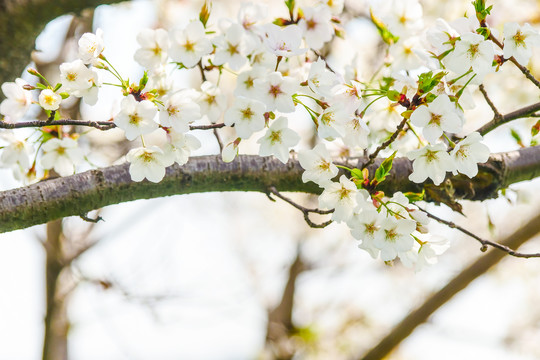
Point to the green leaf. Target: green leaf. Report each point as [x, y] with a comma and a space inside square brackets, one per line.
[414, 197]
[384, 168]
[40, 86]
[516, 137]
[386, 35]
[427, 81]
[357, 174]
[58, 86]
[64, 95]
[143, 81]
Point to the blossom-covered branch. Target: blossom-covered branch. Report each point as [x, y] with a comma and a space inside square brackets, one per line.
[80, 193]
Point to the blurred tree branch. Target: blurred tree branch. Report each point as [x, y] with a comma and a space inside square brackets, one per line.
[421, 314]
[73, 195]
[21, 21]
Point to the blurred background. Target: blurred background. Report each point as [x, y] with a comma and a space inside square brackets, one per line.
[236, 276]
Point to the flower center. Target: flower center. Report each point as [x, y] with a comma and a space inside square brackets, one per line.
[519, 38]
[189, 46]
[247, 113]
[275, 90]
[275, 137]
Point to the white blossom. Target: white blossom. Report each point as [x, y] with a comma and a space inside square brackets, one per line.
[332, 122]
[431, 161]
[471, 51]
[61, 155]
[356, 133]
[245, 82]
[136, 117]
[230, 48]
[283, 41]
[519, 41]
[182, 145]
[190, 44]
[316, 26]
[318, 165]
[276, 91]
[49, 100]
[147, 162]
[211, 101]
[394, 237]
[17, 101]
[179, 111]
[91, 46]
[230, 151]
[340, 196]
[247, 115]
[320, 80]
[17, 152]
[278, 139]
[468, 153]
[154, 47]
[250, 14]
[438, 116]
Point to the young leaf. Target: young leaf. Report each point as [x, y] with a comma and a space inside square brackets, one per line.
[384, 168]
[386, 35]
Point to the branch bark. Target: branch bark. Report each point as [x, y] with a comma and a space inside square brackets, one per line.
[78, 194]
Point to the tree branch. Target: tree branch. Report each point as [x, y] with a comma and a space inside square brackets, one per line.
[503, 119]
[72, 195]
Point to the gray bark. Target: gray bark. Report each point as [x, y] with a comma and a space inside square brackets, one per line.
[77, 194]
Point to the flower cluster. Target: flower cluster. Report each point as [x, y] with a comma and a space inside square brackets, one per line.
[280, 82]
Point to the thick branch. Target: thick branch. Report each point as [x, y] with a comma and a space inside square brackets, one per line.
[80, 193]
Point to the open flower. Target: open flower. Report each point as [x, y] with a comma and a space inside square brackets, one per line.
[190, 44]
[471, 51]
[340, 196]
[276, 92]
[91, 46]
[247, 116]
[61, 155]
[154, 47]
[278, 140]
[49, 100]
[468, 153]
[147, 162]
[283, 41]
[230, 48]
[136, 117]
[179, 111]
[17, 101]
[316, 26]
[438, 116]
[318, 165]
[394, 237]
[431, 161]
[182, 145]
[519, 41]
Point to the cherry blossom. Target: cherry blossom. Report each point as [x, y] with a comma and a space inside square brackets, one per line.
[431, 161]
[230, 48]
[136, 117]
[154, 48]
[278, 140]
[468, 153]
[61, 155]
[320, 80]
[91, 46]
[49, 100]
[340, 196]
[17, 152]
[247, 115]
[318, 165]
[471, 51]
[17, 101]
[147, 162]
[276, 91]
[211, 101]
[316, 26]
[190, 44]
[283, 41]
[394, 237]
[518, 42]
[333, 121]
[182, 145]
[179, 111]
[438, 116]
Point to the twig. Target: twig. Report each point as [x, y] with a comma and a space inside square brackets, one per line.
[304, 210]
[101, 125]
[496, 114]
[517, 114]
[203, 75]
[385, 144]
[324, 59]
[218, 139]
[86, 218]
[485, 243]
